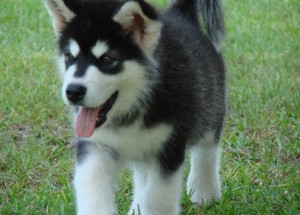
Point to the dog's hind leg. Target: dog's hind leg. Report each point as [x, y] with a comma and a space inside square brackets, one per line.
[204, 181]
[95, 176]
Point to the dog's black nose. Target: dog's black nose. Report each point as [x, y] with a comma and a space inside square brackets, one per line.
[75, 92]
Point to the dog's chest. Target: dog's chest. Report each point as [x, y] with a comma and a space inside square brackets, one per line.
[134, 142]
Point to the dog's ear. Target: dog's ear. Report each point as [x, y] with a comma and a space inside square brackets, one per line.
[60, 12]
[140, 19]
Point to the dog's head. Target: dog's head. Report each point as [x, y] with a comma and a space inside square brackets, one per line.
[105, 52]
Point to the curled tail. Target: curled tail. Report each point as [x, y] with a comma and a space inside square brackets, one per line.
[213, 17]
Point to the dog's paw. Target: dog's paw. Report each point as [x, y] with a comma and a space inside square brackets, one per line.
[204, 193]
[134, 210]
[204, 198]
[98, 212]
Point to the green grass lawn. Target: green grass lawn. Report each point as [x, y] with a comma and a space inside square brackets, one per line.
[261, 142]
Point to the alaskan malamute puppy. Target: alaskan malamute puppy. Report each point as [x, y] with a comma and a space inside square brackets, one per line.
[146, 87]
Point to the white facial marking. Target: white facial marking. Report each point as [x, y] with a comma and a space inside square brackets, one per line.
[74, 48]
[99, 49]
[68, 79]
[99, 86]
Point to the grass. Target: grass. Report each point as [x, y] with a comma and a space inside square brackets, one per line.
[261, 141]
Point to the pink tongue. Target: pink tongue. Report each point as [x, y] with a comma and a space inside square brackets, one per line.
[86, 121]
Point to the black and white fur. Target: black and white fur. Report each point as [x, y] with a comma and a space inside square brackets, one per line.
[170, 83]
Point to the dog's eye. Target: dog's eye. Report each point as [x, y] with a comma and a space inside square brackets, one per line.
[107, 60]
[69, 59]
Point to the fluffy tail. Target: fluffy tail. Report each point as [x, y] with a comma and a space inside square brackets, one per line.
[213, 17]
[212, 12]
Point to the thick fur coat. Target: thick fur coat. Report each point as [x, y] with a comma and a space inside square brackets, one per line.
[145, 88]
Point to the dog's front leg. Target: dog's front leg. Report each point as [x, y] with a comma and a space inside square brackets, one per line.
[156, 193]
[95, 176]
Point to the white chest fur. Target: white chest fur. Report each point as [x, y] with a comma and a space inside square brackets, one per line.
[133, 142]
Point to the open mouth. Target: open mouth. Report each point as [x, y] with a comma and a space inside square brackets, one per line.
[88, 119]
